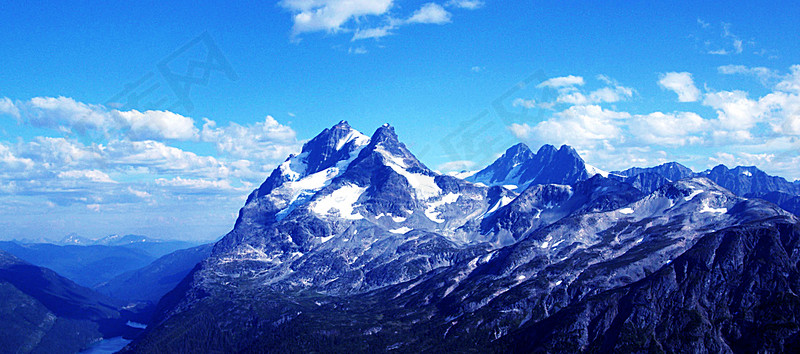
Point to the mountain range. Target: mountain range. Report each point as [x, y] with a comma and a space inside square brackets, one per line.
[43, 312]
[90, 264]
[356, 245]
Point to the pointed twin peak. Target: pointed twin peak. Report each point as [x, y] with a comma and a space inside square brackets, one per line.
[386, 143]
[520, 167]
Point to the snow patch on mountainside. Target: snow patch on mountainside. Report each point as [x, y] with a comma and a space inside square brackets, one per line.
[505, 200]
[626, 211]
[708, 209]
[694, 194]
[425, 186]
[431, 212]
[353, 135]
[591, 170]
[342, 200]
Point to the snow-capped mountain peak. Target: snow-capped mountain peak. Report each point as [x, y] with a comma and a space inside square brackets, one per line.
[297, 179]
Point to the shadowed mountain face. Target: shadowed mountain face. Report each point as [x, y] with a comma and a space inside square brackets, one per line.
[44, 312]
[355, 245]
[151, 282]
[732, 292]
[520, 167]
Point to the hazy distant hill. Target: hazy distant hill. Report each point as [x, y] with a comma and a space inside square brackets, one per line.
[90, 265]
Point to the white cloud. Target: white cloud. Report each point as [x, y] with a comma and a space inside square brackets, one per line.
[139, 194]
[673, 129]
[564, 81]
[67, 114]
[735, 111]
[569, 91]
[521, 131]
[466, 4]
[601, 95]
[8, 107]
[262, 141]
[11, 162]
[91, 175]
[682, 84]
[158, 125]
[579, 126]
[722, 41]
[187, 184]
[357, 50]
[521, 102]
[331, 15]
[791, 82]
[430, 13]
[783, 110]
[763, 74]
[58, 153]
[156, 157]
[377, 32]
[735, 41]
[476, 69]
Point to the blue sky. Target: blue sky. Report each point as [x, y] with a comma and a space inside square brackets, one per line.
[700, 83]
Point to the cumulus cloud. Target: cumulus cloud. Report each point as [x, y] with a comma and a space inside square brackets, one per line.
[669, 129]
[158, 158]
[8, 107]
[263, 141]
[11, 162]
[735, 111]
[563, 81]
[583, 126]
[569, 90]
[91, 175]
[331, 15]
[158, 125]
[57, 153]
[430, 13]
[790, 82]
[66, 114]
[601, 95]
[682, 84]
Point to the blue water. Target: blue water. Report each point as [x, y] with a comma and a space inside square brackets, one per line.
[136, 325]
[107, 346]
